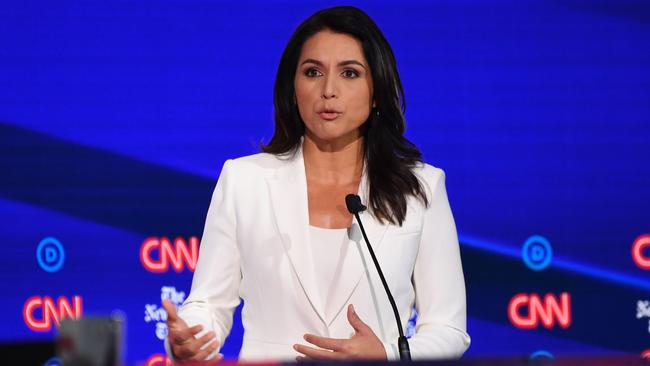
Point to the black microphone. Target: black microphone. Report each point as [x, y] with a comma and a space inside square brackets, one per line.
[353, 202]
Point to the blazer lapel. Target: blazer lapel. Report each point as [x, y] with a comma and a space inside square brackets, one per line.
[351, 266]
[288, 191]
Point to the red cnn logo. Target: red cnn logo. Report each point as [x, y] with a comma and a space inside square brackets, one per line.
[646, 354]
[49, 311]
[548, 311]
[640, 243]
[179, 255]
[158, 360]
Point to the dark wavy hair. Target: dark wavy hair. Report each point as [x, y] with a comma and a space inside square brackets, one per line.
[389, 157]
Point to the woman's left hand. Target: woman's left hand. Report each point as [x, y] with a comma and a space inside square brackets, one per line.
[364, 344]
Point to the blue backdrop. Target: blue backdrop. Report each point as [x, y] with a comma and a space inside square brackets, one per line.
[116, 117]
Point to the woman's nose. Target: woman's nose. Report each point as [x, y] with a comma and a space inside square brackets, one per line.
[329, 88]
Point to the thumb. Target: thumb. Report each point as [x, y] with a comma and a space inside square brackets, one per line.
[170, 308]
[356, 322]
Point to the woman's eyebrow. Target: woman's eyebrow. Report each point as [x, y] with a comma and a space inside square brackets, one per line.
[342, 63]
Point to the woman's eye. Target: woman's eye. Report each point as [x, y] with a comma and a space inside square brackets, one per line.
[311, 72]
[350, 74]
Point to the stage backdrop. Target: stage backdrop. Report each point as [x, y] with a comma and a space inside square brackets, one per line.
[116, 118]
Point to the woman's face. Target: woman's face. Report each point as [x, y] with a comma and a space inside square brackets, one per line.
[333, 87]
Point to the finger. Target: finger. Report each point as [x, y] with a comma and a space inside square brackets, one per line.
[202, 354]
[318, 354]
[190, 350]
[170, 308]
[193, 349]
[205, 339]
[217, 358]
[195, 329]
[189, 334]
[301, 359]
[324, 342]
[356, 322]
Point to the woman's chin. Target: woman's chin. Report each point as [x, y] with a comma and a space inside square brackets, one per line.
[334, 138]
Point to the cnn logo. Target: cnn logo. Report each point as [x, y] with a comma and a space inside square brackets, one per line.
[182, 253]
[50, 312]
[158, 360]
[641, 259]
[547, 311]
[645, 354]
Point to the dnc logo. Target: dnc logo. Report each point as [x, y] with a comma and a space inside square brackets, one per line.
[50, 254]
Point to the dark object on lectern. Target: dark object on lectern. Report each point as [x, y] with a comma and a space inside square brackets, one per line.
[28, 352]
[354, 205]
[90, 341]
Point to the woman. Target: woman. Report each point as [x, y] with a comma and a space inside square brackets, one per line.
[278, 234]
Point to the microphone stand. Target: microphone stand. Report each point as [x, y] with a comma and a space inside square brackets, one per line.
[353, 203]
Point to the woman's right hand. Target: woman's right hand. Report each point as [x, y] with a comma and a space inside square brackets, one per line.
[184, 345]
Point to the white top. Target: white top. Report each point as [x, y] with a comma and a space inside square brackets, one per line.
[327, 249]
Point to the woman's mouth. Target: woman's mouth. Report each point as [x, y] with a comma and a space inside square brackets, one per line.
[329, 116]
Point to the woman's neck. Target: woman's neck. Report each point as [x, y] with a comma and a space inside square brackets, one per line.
[333, 162]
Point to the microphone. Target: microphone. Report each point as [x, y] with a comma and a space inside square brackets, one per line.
[354, 205]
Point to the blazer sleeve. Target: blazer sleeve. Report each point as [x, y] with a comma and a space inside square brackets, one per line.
[215, 285]
[440, 331]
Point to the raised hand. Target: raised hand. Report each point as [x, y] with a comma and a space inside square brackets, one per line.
[185, 346]
[364, 344]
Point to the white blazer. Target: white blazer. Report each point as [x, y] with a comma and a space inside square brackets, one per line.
[255, 246]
